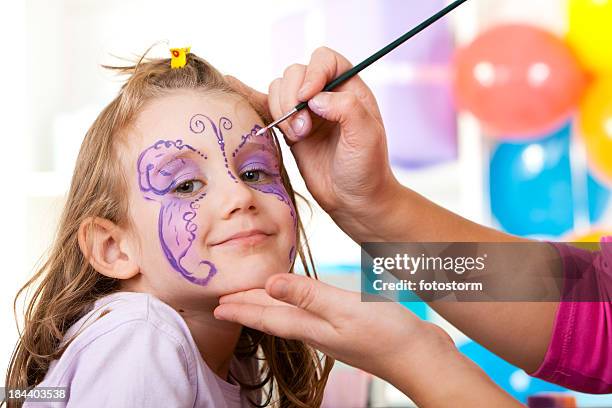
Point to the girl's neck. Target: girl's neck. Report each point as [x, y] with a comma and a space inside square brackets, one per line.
[216, 340]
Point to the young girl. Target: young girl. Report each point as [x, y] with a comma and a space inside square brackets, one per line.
[174, 202]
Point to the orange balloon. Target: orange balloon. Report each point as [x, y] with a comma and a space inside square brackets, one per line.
[520, 81]
[596, 127]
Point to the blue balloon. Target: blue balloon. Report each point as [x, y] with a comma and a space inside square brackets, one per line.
[512, 379]
[530, 187]
[599, 196]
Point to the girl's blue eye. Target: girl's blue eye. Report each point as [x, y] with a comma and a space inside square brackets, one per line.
[188, 187]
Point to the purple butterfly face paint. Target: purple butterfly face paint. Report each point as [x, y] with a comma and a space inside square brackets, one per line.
[167, 164]
[263, 157]
[161, 168]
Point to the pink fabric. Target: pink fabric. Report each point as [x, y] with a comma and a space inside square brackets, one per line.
[347, 387]
[579, 356]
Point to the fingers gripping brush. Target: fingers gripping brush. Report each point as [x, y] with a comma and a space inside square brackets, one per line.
[369, 61]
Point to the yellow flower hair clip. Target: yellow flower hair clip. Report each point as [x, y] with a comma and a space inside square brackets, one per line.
[179, 57]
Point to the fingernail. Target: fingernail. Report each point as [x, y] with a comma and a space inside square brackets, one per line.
[319, 102]
[303, 90]
[279, 288]
[297, 125]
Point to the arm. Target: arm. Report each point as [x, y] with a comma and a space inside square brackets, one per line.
[417, 357]
[519, 332]
[340, 148]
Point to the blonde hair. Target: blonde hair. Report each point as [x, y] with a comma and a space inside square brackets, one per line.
[66, 285]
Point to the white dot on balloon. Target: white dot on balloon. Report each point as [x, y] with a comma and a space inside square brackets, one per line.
[533, 159]
[608, 127]
[538, 73]
[484, 72]
[520, 381]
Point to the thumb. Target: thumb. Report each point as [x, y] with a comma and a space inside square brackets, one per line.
[307, 293]
[257, 99]
[344, 108]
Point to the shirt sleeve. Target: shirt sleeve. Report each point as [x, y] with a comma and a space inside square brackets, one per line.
[579, 356]
[135, 364]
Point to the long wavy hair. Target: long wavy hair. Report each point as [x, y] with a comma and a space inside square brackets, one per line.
[291, 373]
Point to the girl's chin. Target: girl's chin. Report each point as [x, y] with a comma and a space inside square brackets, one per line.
[242, 283]
[251, 264]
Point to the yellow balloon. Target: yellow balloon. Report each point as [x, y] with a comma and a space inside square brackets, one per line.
[590, 33]
[593, 236]
[596, 127]
[589, 241]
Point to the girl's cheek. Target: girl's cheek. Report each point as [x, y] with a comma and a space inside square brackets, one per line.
[277, 189]
[275, 185]
[176, 226]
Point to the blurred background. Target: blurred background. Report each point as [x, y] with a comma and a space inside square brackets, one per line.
[501, 112]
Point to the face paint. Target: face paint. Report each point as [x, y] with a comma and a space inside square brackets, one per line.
[269, 164]
[197, 125]
[161, 168]
[167, 164]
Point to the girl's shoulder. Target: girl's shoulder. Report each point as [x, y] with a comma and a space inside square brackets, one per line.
[135, 309]
[129, 347]
[138, 324]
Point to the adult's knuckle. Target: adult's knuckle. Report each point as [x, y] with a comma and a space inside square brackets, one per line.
[322, 51]
[306, 297]
[293, 68]
[261, 321]
[274, 85]
[349, 102]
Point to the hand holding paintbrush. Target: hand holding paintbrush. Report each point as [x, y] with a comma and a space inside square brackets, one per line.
[346, 75]
[342, 151]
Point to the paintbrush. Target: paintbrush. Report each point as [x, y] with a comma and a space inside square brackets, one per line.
[368, 61]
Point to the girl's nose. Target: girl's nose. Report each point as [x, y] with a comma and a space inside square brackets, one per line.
[236, 197]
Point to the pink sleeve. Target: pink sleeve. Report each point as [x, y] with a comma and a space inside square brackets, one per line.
[579, 356]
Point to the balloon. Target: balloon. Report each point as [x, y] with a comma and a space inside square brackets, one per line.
[590, 32]
[598, 197]
[530, 187]
[518, 80]
[512, 379]
[596, 127]
[593, 236]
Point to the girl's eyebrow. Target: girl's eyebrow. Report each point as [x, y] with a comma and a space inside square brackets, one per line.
[252, 146]
[169, 159]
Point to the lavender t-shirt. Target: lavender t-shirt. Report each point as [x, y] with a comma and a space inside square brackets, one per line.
[136, 351]
[579, 356]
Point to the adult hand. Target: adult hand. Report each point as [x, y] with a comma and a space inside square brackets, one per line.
[339, 145]
[380, 337]
[332, 320]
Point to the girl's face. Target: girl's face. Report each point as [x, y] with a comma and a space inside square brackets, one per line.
[206, 198]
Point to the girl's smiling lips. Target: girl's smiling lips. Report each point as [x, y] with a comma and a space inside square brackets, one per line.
[246, 237]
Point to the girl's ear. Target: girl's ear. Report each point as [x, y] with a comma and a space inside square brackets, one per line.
[106, 246]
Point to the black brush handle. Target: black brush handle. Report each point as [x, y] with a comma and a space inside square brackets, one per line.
[385, 50]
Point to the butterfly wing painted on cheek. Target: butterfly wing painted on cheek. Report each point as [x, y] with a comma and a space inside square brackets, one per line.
[176, 228]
